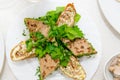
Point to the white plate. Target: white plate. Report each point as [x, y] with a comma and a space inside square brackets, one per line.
[111, 10]
[6, 3]
[25, 70]
[108, 75]
[2, 56]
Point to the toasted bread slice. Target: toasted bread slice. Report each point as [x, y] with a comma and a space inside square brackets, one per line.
[45, 71]
[67, 16]
[74, 69]
[47, 65]
[37, 26]
[80, 47]
[19, 52]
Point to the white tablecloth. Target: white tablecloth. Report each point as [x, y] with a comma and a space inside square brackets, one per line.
[110, 38]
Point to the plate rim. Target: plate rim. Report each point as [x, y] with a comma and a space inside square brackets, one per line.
[2, 52]
[106, 17]
[108, 61]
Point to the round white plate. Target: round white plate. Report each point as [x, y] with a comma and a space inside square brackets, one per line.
[2, 56]
[25, 70]
[107, 74]
[111, 11]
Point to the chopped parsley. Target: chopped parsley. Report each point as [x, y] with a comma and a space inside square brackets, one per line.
[38, 74]
[24, 34]
[43, 46]
[56, 49]
[65, 31]
[77, 18]
[51, 17]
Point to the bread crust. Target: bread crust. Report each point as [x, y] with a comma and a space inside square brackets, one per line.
[67, 16]
[19, 52]
[74, 69]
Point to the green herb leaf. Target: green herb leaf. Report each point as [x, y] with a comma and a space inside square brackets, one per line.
[77, 18]
[64, 62]
[39, 52]
[59, 9]
[37, 71]
[51, 17]
[65, 31]
[36, 35]
[57, 49]
[29, 45]
[73, 32]
[24, 34]
[38, 74]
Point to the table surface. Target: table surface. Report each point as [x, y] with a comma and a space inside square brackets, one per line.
[109, 37]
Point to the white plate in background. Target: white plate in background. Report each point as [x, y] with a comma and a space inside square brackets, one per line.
[107, 74]
[111, 11]
[6, 3]
[2, 55]
[25, 70]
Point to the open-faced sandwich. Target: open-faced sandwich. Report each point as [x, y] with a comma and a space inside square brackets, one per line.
[57, 42]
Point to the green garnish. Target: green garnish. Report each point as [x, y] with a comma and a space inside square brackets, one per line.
[24, 34]
[77, 18]
[38, 73]
[51, 17]
[56, 49]
[29, 45]
[43, 46]
[65, 31]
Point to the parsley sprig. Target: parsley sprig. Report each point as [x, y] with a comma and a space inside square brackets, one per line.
[56, 49]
